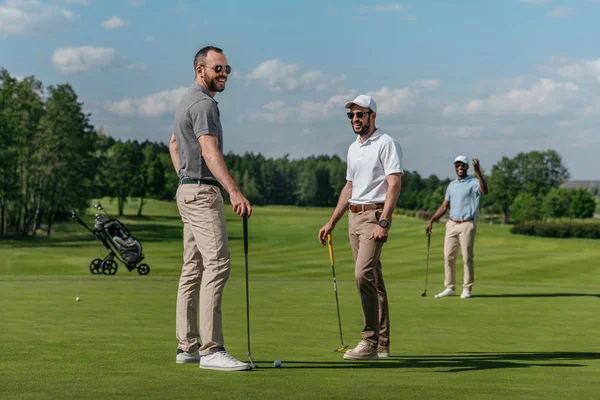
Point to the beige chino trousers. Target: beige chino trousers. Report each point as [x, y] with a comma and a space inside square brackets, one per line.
[369, 276]
[206, 267]
[459, 235]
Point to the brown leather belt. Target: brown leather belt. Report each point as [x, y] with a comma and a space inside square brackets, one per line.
[461, 221]
[365, 207]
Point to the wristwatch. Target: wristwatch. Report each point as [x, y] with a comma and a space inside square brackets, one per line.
[384, 223]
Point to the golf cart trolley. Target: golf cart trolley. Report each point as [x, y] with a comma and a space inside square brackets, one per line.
[119, 242]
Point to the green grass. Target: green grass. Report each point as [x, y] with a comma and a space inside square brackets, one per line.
[529, 332]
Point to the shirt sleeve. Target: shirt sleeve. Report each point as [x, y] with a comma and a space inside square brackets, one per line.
[204, 115]
[349, 172]
[391, 158]
[447, 195]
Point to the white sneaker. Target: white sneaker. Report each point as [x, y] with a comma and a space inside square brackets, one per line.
[188, 357]
[184, 357]
[466, 294]
[363, 351]
[223, 361]
[447, 292]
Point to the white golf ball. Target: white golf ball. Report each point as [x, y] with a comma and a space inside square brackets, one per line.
[277, 364]
[77, 299]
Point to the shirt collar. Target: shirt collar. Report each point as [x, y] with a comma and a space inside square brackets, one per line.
[203, 90]
[465, 179]
[376, 135]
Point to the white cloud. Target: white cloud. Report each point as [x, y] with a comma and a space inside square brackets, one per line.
[560, 12]
[543, 97]
[281, 77]
[31, 17]
[582, 71]
[71, 60]
[395, 101]
[149, 38]
[149, 106]
[389, 102]
[114, 23]
[458, 131]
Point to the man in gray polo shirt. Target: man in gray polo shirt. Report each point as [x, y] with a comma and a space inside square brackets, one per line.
[196, 149]
[462, 198]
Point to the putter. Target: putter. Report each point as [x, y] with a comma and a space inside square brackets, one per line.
[245, 224]
[337, 303]
[427, 267]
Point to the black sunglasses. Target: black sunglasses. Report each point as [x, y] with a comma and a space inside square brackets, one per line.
[219, 68]
[459, 164]
[359, 114]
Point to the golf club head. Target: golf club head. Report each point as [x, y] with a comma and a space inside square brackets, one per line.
[341, 349]
[424, 294]
[98, 206]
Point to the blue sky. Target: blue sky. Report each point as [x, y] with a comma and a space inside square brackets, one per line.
[480, 78]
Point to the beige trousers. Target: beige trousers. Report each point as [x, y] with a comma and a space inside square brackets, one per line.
[205, 267]
[369, 276]
[459, 235]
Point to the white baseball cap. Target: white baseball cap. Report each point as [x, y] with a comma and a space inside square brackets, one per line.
[364, 101]
[462, 159]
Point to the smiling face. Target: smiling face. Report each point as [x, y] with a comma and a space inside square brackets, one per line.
[461, 169]
[362, 125]
[207, 75]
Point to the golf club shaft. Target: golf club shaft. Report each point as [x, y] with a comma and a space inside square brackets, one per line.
[245, 228]
[337, 303]
[427, 266]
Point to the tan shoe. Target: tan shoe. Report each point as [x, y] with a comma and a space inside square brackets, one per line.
[363, 351]
[383, 351]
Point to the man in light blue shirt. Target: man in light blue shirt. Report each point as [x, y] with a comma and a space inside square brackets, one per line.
[462, 198]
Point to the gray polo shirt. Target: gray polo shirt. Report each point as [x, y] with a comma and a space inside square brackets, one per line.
[197, 114]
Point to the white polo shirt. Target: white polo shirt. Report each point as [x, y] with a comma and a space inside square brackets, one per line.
[369, 163]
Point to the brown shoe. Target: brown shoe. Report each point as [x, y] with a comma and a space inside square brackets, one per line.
[363, 351]
[383, 351]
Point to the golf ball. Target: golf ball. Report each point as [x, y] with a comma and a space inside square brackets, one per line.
[277, 364]
[77, 299]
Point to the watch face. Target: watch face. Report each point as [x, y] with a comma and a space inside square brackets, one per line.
[383, 223]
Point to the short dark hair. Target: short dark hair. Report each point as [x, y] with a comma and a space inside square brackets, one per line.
[200, 57]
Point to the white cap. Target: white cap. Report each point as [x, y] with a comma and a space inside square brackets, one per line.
[462, 159]
[364, 101]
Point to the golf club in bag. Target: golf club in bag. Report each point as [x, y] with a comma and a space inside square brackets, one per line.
[245, 225]
[337, 303]
[427, 265]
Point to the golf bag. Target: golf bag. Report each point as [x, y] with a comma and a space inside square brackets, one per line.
[119, 243]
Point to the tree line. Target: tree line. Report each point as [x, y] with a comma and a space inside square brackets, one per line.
[53, 160]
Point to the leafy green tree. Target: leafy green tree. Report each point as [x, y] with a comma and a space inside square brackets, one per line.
[504, 186]
[557, 203]
[583, 204]
[525, 207]
[66, 150]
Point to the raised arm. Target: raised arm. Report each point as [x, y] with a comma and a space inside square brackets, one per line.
[482, 185]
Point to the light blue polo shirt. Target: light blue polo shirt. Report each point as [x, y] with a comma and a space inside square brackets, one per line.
[463, 196]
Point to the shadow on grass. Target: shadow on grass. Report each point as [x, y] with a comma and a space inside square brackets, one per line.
[462, 362]
[536, 295]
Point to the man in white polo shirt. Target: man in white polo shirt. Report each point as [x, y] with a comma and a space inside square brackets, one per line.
[462, 198]
[374, 170]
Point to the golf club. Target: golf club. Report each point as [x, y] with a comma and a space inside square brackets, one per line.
[337, 303]
[245, 224]
[427, 267]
